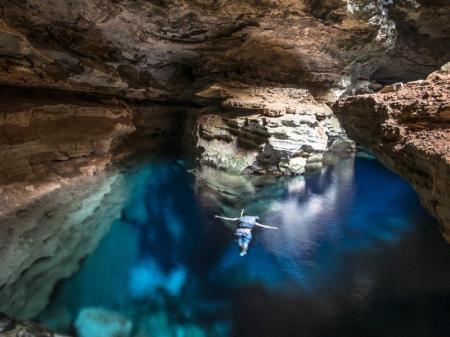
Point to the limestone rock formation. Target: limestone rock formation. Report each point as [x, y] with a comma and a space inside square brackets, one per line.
[102, 323]
[54, 148]
[266, 130]
[44, 242]
[171, 49]
[49, 137]
[29, 329]
[166, 51]
[84, 83]
[59, 134]
[407, 126]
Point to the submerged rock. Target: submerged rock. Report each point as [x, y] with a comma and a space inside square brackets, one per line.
[189, 331]
[27, 329]
[408, 128]
[102, 323]
[43, 243]
[265, 130]
[147, 280]
[6, 322]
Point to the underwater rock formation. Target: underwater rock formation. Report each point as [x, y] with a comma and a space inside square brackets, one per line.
[407, 126]
[29, 329]
[102, 323]
[267, 130]
[44, 243]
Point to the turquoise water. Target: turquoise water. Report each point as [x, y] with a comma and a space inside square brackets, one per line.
[355, 255]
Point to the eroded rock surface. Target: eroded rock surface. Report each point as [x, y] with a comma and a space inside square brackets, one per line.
[29, 329]
[59, 134]
[102, 323]
[44, 243]
[171, 49]
[407, 126]
[46, 138]
[56, 201]
[267, 130]
[99, 54]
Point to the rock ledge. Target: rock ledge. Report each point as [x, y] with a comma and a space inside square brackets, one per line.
[408, 128]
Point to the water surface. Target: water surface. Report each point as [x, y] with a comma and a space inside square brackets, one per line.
[355, 255]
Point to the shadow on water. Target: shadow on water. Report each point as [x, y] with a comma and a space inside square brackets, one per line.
[355, 255]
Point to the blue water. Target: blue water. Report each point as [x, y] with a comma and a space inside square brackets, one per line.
[355, 255]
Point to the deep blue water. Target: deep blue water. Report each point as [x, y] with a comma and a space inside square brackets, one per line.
[355, 255]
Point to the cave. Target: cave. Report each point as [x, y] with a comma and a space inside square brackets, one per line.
[224, 168]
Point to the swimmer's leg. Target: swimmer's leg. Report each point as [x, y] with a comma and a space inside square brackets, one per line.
[240, 242]
[244, 248]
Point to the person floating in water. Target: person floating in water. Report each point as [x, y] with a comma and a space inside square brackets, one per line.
[243, 232]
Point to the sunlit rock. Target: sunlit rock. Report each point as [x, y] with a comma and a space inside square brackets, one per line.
[279, 131]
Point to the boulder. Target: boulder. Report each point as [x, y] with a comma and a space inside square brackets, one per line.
[27, 329]
[102, 323]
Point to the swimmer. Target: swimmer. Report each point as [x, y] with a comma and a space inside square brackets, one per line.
[243, 232]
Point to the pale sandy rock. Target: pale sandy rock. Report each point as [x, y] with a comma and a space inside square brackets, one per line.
[39, 137]
[266, 130]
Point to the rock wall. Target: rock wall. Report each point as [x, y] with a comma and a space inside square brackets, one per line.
[56, 200]
[45, 242]
[168, 51]
[171, 49]
[29, 329]
[266, 130]
[407, 126]
[57, 134]
[49, 137]
[80, 81]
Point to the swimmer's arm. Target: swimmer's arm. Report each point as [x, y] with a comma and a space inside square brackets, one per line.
[261, 225]
[224, 218]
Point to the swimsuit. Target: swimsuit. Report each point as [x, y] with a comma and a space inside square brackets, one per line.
[243, 235]
[248, 221]
[243, 232]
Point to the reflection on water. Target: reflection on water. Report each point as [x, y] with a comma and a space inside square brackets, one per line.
[355, 255]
